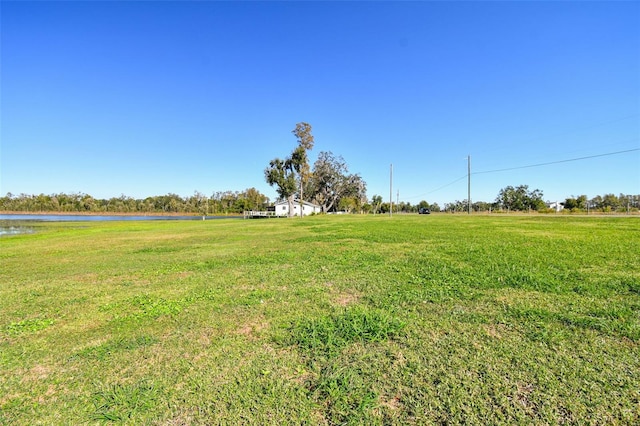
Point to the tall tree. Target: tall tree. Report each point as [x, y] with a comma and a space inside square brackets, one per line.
[286, 174]
[299, 156]
[332, 182]
[281, 174]
[376, 201]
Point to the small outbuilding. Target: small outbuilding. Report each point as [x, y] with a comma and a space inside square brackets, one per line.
[282, 208]
[558, 207]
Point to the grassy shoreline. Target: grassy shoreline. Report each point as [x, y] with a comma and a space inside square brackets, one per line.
[171, 214]
[323, 320]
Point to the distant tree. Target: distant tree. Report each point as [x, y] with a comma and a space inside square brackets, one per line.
[348, 204]
[520, 198]
[356, 188]
[610, 202]
[366, 208]
[456, 206]
[596, 202]
[481, 206]
[404, 207]
[198, 202]
[575, 203]
[581, 202]
[570, 203]
[147, 205]
[255, 198]
[605, 203]
[376, 203]
[628, 202]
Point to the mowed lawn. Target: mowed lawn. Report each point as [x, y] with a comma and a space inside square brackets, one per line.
[440, 319]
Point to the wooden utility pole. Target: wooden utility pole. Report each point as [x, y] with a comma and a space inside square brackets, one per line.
[468, 184]
[391, 191]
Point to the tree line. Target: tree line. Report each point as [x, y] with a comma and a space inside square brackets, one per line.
[219, 203]
[520, 198]
[235, 202]
[604, 203]
[517, 199]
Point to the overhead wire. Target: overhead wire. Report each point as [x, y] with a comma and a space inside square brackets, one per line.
[634, 115]
[438, 189]
[556, 162]
[526, 167]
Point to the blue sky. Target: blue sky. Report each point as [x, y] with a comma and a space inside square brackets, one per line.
[149, 98]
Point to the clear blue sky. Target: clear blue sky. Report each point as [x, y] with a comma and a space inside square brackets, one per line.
[146, 98]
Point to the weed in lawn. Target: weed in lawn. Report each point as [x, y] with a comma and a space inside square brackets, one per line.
[332, 345]
[27, 326]
[145, 306]
[346, 392]
[329, 334]
[118, 402]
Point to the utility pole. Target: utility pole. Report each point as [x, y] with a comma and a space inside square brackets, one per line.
[469, 184]
[391, 190]
[398, 200]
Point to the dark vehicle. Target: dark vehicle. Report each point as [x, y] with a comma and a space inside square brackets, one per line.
[424, 211]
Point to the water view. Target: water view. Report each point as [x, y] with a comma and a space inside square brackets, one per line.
[98, 218]
[14, 230]
[16, 224]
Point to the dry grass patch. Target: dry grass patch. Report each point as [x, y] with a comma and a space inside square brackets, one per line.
[253, 330]
[342, 298]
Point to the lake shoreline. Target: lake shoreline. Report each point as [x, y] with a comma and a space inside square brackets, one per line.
[12, 218]
[151, 214]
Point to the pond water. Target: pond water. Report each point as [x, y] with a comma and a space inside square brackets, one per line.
[15, 230]
[14, 224]
[99, 218]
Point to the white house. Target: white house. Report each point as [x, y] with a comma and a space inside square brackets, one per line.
[282, 208]
[555, 206]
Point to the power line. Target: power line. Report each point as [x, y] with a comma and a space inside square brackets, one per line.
[525, 167]
[438, 189]
[556, 162]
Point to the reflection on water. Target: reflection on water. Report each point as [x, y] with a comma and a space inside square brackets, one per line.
[98, 218]
[15, 230]
[16, 224]
[87, 218]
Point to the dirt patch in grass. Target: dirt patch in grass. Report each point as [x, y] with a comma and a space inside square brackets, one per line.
[36, 373]
[494, 330]
[392, 403]
[524, 390]
[346, 299]
[253, 329]
[342, 298]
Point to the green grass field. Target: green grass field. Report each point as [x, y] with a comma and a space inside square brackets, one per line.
[435, 319]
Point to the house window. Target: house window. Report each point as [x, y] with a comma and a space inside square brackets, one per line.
[284, 207]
